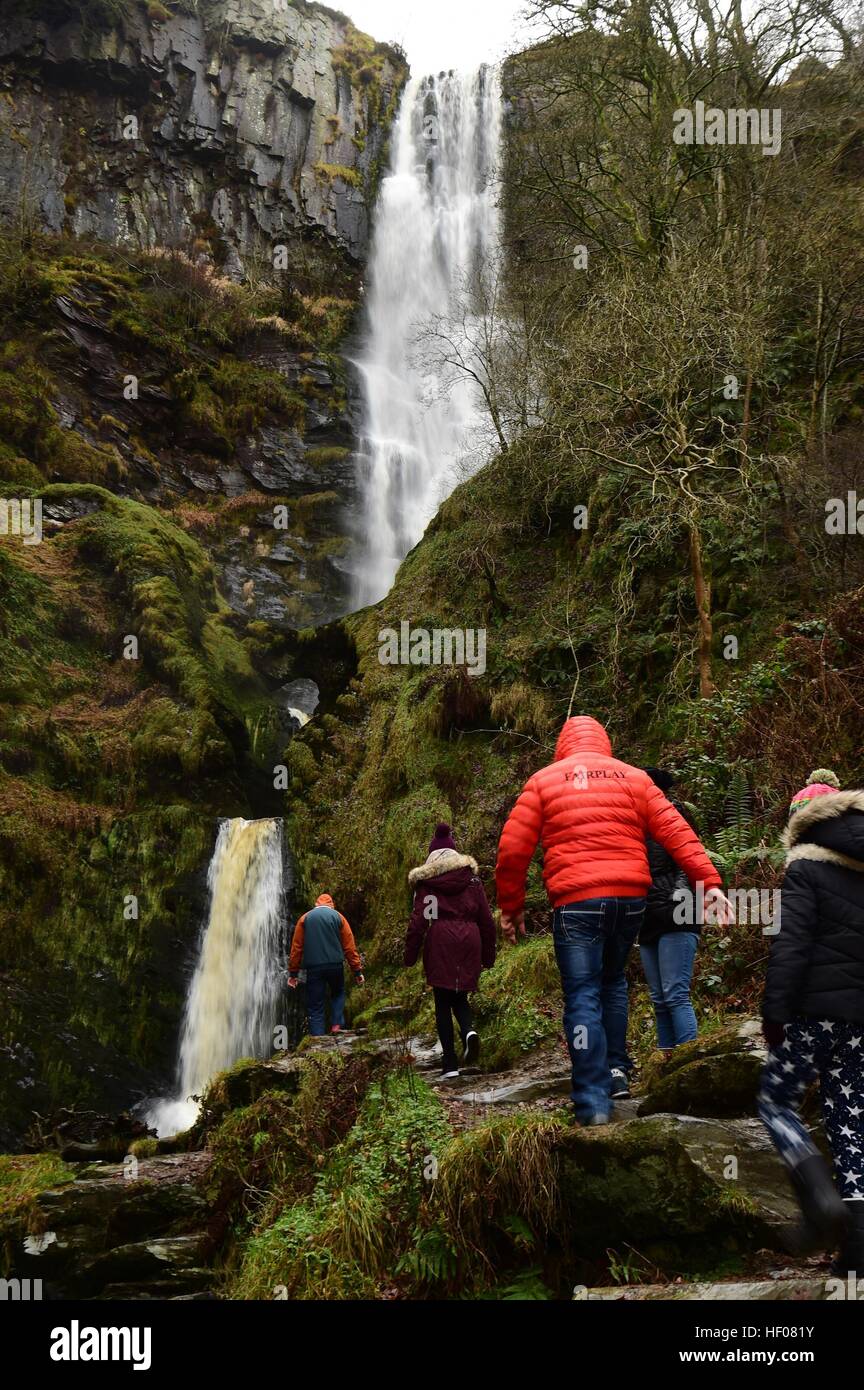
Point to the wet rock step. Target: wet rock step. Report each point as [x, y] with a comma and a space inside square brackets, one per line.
[176, 1261]
[78, 1228]
[516, 1092]
[192, 1285]
[805, 1289]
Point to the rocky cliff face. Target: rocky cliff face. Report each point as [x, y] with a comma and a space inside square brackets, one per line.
[234, 126]
[178, 397]
[235, 144]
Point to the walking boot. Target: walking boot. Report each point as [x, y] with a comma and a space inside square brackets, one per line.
[472, 1048]
[851, 1257]
[824, 1213]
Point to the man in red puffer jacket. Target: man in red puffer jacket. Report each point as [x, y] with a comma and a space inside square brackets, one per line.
[592, 814]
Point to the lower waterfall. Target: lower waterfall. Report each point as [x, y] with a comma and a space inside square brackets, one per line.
[236, 986]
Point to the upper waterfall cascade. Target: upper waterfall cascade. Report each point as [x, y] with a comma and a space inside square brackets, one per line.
[436, 235]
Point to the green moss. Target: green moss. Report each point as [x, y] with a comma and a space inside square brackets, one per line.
[330, 172]
[363, 61]
[321, 458]
[22, 1178]
[115, 770]
[519, 1002]
[27, 421]
[240, 1086]
[718, 1074]
[344, 1238]
[144, 1148]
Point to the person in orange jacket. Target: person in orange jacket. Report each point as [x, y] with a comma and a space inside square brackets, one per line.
[322, 940]
[592, 814]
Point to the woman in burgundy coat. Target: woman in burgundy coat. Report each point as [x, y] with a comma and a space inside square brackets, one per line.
[451, 921]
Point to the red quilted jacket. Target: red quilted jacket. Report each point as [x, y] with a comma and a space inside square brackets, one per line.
[592, 814]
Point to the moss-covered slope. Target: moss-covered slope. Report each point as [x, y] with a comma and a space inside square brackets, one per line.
[127, 698]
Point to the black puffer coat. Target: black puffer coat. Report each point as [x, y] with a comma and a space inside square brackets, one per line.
[666, 879]
[817, 959]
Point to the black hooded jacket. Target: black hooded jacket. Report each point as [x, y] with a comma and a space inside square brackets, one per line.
[816, 967]
[666, 880]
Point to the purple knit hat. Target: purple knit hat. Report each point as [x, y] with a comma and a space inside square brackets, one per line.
[443, 838]
[822, 782]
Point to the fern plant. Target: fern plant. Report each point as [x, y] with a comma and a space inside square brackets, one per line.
[431, 1260]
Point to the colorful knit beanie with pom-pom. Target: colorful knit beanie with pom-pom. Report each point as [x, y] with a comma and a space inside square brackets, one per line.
[822, 782]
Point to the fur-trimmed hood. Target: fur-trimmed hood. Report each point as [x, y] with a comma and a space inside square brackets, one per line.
[816, 822]
[442, 861]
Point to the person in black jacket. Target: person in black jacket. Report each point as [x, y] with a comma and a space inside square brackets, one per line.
[669, 937]
[813, 1013]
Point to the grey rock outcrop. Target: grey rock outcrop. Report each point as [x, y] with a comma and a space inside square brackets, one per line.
[237, 126]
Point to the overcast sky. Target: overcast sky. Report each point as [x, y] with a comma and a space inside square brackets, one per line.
[440, 33]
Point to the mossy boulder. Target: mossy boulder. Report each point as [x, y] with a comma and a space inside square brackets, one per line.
[673, 1181]
[716, 1075]
[242, 1085]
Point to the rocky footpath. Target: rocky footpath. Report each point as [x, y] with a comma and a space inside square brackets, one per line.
[674, 1187]
[686, 1149]
[136, 1229]
[237, 125]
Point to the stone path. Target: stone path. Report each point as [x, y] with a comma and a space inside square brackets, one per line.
[133, 1230]
[143, 1228]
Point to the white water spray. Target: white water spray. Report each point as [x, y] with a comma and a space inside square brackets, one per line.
[437, 228]
[231, 1006]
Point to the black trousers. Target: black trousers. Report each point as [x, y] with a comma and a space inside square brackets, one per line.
[447, 1003]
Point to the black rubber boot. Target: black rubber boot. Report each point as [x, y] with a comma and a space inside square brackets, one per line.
[825, 1213]
[851, 1257]
[472, 1048]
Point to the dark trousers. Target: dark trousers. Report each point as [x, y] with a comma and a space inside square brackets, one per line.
[833, 1052]
[447, 1003]
[318, 981]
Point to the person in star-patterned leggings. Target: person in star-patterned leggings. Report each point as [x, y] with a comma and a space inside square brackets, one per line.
[813, 1014]
[833, 1052]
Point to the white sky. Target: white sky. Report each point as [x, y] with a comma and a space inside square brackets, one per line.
[440, 34]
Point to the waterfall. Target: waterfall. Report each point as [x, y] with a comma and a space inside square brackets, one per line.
[234, 993]
[436, 232]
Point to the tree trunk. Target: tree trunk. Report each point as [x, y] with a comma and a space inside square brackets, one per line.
[818, 382]
[748, 398]
[702, 591]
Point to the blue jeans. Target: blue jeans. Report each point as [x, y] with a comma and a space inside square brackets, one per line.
[592, 942]
[668, 966]
[318, 980]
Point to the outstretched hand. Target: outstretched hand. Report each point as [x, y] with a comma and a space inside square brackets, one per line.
[293, 982]
[511, 924]
[718, 909]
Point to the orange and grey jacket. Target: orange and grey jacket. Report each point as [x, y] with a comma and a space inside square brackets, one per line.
[322, 938]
